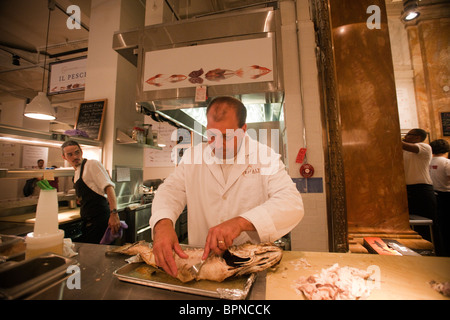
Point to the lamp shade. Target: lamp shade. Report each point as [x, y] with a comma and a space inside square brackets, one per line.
[40, 108]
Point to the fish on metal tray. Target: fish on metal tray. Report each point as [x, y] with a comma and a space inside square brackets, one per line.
[235, 261]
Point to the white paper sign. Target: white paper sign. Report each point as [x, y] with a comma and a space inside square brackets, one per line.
[210, 64]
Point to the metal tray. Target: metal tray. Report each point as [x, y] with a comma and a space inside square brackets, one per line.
[21, 279]
[234, 288]
[11, 248]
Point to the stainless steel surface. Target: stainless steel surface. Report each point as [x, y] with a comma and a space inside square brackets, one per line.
[17, 280]
[72, 203]
[143, 274]
[11, 247]
[137, 217]
[97, 281]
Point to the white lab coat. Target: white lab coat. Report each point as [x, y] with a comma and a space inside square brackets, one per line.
[257, 189]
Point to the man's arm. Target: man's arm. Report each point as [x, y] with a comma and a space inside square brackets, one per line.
[167, 205]
[114, 221]
[411, 147]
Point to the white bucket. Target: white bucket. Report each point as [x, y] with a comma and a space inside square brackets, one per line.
[39, 244]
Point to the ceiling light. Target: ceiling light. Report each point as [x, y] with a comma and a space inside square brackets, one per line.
[411, 15]
[40, 108]
[410, 11]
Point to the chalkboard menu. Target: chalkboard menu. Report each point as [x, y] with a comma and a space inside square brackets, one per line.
[445, 119]
[90, 118]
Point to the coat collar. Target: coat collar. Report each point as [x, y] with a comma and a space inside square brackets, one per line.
[241, 161]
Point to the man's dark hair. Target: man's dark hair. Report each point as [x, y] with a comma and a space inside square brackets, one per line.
[227, 103]
[440, 146]
[69, 143]
[421, 133]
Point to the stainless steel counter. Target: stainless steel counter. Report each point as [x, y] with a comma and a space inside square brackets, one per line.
[97, 281]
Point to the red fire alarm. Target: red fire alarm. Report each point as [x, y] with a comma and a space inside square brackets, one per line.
[307, 170]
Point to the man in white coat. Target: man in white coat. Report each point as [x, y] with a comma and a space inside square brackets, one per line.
[236, 190]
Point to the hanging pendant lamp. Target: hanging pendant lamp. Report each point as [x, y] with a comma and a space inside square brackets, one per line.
[40, 107]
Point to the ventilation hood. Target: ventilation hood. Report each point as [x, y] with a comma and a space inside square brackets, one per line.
[235, 54]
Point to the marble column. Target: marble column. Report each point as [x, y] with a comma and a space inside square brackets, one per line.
[369, 144]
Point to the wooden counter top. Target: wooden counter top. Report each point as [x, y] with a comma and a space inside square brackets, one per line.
[401, 277]
[65, 214]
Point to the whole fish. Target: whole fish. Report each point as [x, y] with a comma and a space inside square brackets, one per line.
[235, 261]
[253, 72]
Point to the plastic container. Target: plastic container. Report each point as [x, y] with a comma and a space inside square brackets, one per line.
[46, 236]
[40, 244]
[47, 213]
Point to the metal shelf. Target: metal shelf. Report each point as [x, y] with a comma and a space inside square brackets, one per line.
[37, 173]
[23, 135]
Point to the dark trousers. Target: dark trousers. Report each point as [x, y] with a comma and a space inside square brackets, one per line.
[422, 202]
[93, 229]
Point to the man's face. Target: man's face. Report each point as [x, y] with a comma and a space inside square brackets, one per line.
[73, 155]
[225, 136]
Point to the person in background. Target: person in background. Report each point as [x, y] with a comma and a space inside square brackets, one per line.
[440, 175]
[228, 201]
[419, 186]
[40, 164]
[91, 183]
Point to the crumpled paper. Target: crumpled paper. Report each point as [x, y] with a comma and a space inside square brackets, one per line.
[68, 248]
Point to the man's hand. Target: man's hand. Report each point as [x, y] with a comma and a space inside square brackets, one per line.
[165, 242]
[114, 222]
[221, 236]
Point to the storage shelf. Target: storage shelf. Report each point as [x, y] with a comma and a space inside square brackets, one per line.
[27, 136]
[37, 173]
[139, 145]
[123, 139]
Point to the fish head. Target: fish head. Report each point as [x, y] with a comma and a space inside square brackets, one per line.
[255, 256]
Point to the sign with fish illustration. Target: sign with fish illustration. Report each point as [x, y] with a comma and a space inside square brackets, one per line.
[210, 64]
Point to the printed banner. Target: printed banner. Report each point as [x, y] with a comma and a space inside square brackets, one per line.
[210, 64]
[67, 76]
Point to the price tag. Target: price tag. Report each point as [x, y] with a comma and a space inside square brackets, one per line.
[301, 155]
[200, 94]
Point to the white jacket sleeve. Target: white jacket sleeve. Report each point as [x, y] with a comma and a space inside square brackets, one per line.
[170, 198]
[281, 212]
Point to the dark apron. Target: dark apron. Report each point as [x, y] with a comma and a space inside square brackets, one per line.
[94, 211]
